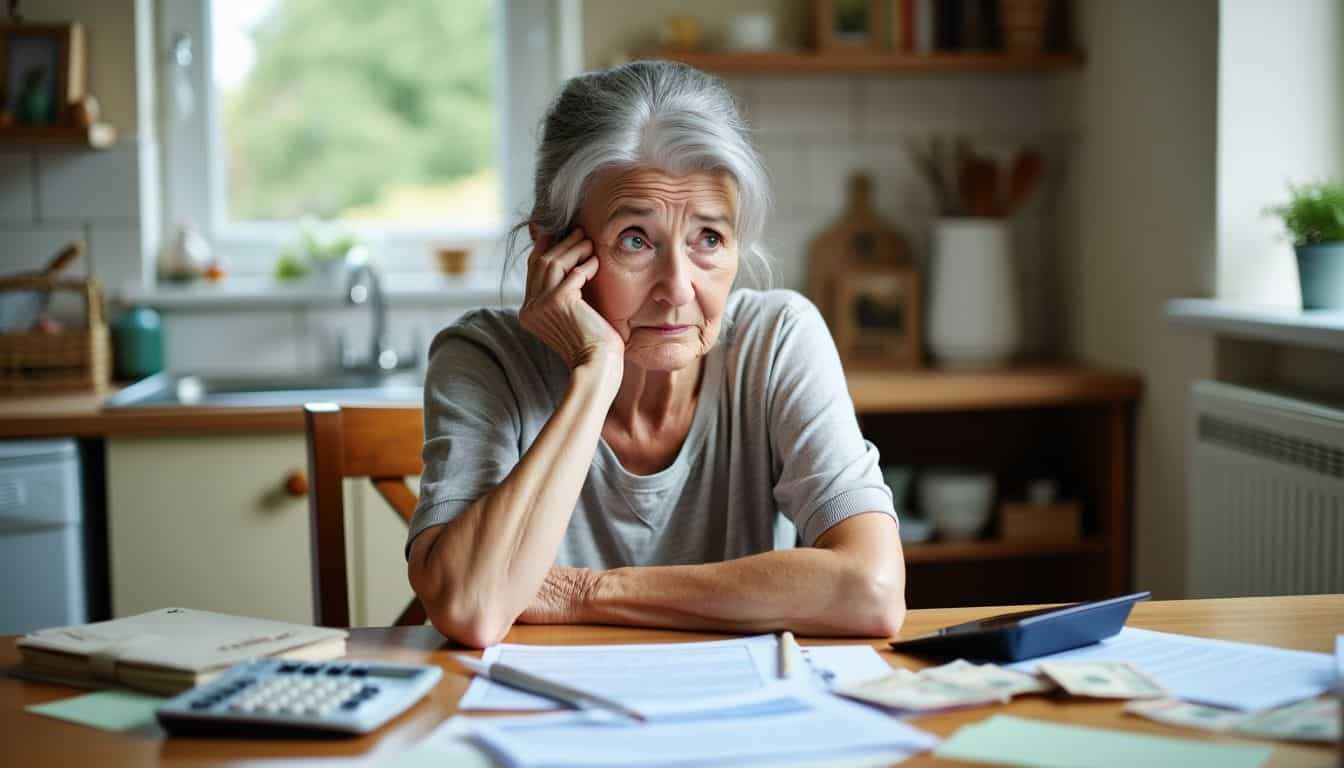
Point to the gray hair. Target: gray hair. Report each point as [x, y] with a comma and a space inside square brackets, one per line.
[660, 114]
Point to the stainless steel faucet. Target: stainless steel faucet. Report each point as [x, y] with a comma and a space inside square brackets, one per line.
[363, 286]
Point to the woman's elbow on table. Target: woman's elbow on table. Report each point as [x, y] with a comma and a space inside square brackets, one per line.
[457, 608]
[878, 605]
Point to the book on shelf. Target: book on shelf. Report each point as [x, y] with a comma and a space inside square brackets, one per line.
[167, 651]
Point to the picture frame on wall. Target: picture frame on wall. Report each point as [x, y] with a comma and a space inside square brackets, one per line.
[42, 70]
[878, 315]
[846, 24]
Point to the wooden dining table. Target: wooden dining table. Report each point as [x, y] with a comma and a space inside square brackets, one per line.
[27, 739]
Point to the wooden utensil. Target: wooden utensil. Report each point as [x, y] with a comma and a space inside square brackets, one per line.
[1027, 168]
[63, 259]
[53, 269]
[979, 184]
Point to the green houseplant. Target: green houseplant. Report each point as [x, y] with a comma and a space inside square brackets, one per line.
[1314, 216]
[320, 247]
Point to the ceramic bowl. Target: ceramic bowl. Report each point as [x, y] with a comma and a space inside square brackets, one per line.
[957, 502]
[915, 530]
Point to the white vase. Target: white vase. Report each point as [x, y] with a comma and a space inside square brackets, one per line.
[974, 317]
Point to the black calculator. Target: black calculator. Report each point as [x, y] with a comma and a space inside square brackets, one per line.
[1026, 634]
[274, 696]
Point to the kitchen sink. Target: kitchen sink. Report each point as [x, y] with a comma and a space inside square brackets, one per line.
[175, 389]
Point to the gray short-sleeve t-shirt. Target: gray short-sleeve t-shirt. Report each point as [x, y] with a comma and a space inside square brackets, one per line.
[774, 437]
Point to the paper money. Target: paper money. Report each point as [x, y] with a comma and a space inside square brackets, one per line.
[1102, 679]
[904, 690]
[1008, 682]
[1310, 720]
[1186, 714]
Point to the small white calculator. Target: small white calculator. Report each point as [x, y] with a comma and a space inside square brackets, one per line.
[273, 695]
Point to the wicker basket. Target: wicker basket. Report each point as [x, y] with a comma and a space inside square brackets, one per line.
[71, 360]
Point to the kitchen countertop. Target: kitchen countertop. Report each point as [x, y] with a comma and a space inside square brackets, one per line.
[82, 415]
[873, 391]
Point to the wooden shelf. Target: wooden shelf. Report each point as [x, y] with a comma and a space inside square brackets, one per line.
[869, 62]
[934, 389]
[998, 549]
[96, 136]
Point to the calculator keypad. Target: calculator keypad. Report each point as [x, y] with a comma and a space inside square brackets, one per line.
[334, 695]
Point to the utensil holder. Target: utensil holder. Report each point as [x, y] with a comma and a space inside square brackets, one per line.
[973, 309]
[76, 359]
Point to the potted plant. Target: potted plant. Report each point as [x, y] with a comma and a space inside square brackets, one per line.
[321, 248]
[1314, 216]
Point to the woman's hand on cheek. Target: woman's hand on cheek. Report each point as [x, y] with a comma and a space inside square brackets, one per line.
[554, 308]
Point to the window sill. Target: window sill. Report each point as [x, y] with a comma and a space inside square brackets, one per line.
[474, 289]
[1317, 328]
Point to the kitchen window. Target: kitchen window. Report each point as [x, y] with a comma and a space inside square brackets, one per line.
[391, 121]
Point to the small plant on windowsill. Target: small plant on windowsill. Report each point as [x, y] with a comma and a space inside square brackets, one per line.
[319, 251]
[1314, 216]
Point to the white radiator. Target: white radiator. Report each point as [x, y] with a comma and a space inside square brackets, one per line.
[1266, 494]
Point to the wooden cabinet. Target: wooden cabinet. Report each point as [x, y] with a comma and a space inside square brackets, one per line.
[207, 522]
[1071, 424]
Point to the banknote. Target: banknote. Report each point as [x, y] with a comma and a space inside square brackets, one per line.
[1310, 720]
[1186, 714]
[1008, 682]
[905, 690]
[1102, 679]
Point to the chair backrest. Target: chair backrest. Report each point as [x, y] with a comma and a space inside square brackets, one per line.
[380, 443]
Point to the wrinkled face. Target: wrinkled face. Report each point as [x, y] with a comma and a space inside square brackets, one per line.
[667, 257]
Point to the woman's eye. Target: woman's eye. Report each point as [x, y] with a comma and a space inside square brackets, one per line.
[710, 240]
[633, 242]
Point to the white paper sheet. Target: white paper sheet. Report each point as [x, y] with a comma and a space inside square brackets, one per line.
[1217, 672]
[848, 664]
[660, 673]
[777, 722]
[1339, 661]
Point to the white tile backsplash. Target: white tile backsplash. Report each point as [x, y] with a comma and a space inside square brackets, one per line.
[80, 184]
[16, 188]
[255, 341]
[114, 252]
[31, 247]
[409, 331]
[808, 106]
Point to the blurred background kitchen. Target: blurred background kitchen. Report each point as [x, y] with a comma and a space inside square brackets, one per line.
[1091, 357]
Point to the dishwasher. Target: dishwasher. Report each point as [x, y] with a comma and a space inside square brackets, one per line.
[43, 554]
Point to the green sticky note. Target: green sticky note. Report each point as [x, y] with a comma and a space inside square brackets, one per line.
[1011, 740]
[108, 710]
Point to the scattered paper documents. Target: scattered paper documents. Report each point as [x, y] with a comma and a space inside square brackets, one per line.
[1217, 672]
[773, 723]
[1007, 740]
[1339, 661]
[653, 673]
[114, 710]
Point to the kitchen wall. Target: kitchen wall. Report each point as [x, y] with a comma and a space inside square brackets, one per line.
[1139, 228]
[1280, 119]
[815, 131]
[50, 195]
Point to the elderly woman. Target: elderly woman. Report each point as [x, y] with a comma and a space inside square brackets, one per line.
[619, 450]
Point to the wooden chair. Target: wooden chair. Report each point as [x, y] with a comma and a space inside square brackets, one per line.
[380, 443]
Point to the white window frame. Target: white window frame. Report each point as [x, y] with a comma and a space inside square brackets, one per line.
[539, 47]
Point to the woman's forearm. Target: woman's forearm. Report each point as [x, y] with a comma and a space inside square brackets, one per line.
[477, 573]
[808, 590]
